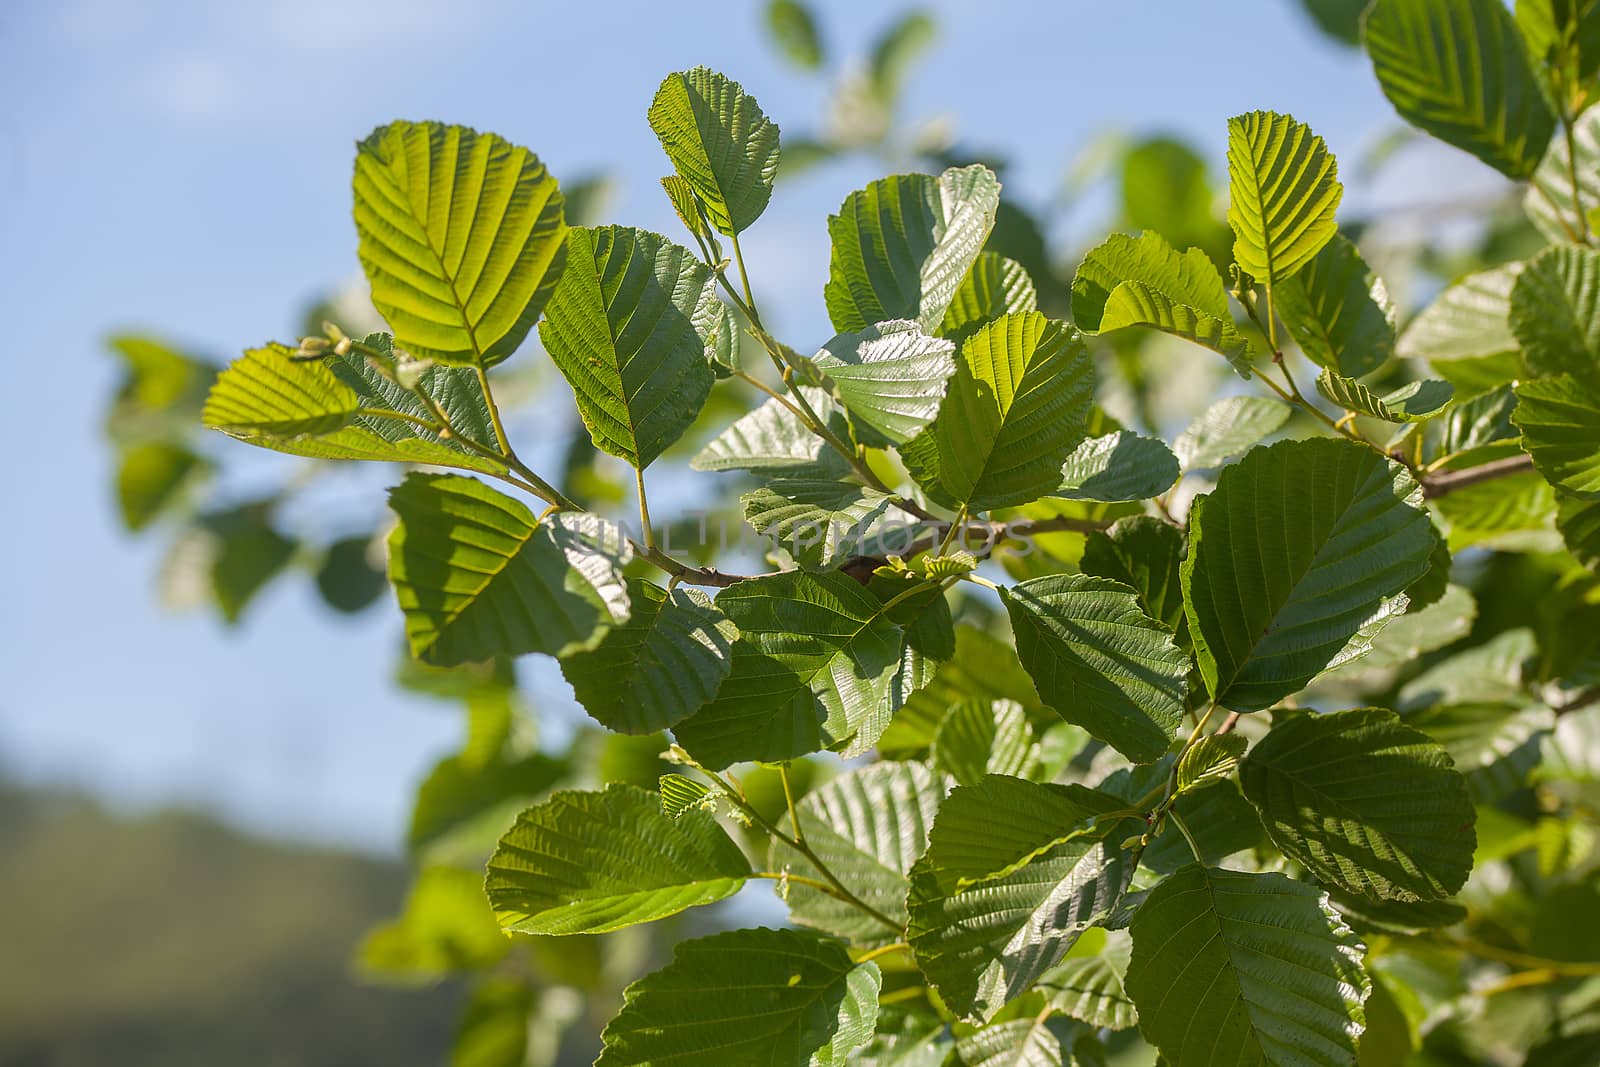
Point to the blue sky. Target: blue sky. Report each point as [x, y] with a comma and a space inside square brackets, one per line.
[183, 166]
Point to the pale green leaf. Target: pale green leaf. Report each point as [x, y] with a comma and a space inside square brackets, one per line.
[1283, 188]
[1227, 428]
[685, 205]
[446, 928]
[980, 737]
[1015, 871]
[493, 1031]
[890, 378]
[1276, 585]
[1550, 202]
[467, 801]
[1015, 409]
[1013, 1043]
[868, 826]
[662, 665]
[1144, 281]
[330, 409]
[747, 997]
[1560, 423]
[151, 476]
[1100, 661]
[792, 27]
[896, 49]
[1090, 988]
[818, 522]
[478, 576]
[720, 142]
[1458, 69]
[630, 326]
[814, 668]
[1493, 671]
[903, 245]
[1494, 746]
[681, 794]
[1514, 512]
[1339, 311]
[1210, 758]
[1364, 802]
[1405, 639]
[462, 238]
[1119, 466]
[1412, 402]
[773, 440]
[589, 862]
[1465, 334]
[994, 286]
[1260, 964]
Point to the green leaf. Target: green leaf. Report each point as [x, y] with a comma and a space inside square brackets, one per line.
[1549, 199]
[1013, 1043]
[747, 996]
[1016, 407]
[493, 1031]
[1492, 671]
[1555, 313]
[1100, 661]
[151, 476]
[1579, 523]
[982, 667]
[681, 794]
[462, 238]
[1218, 817]
[1144, 281]
[1560, 423]
[890, 378]
[347, 578]
[586, 863]
[1412, 402]
[1227, 428]
[446, 928]
[1014, 872]
[1338, 311]
[720, 142]
[1209, 759]
[1145, 554]
[792, 27]
[1090, 988]
[980, 737]
[1283, 188]
[1465, 334]
[248, 551]
[818, 522]
[325, 409]
[1494, 746]
[1512, 513]
[1406, 638]
[1276, 585]
[468, 800]
[478, 576]
[868, 826]
[903, 245]
[629, 327]
[773, 440]
[995, 286]
[659, 667]
[1364, 802]
[896, 49]
[1546, 23]
[1118, 466]
[814, 668]
[1458, 69]
[1339, 19]
[1260, 964]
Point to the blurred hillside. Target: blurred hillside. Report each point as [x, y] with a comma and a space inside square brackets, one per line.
[169, 939]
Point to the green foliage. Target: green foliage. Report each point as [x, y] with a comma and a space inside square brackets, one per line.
[1459, 70]
[1034, 620]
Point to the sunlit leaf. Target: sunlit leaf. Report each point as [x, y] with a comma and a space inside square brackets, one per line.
[1412, 402]
[890, 378]
[1560, 423]
[720, 142]
[1283, 188]
[1227, 428]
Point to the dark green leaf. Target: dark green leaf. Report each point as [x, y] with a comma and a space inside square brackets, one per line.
[1555, 314]
[630, 327]
[1100, 661]
[1339, 311]
[1260, 964]
[477, 575]
[348, 579]
[662, 665]
[1365, 802]
[1560, 423]
[1144, 553]
[1276, 586]
[1458, 69]
[743, 996]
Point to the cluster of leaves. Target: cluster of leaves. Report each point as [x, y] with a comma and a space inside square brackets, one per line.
[1066, 825]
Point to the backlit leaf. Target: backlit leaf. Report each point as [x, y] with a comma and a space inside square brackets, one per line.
[1283, 188]
[720, 142]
